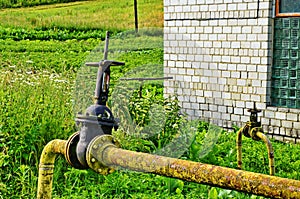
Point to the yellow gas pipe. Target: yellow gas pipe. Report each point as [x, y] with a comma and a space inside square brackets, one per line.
[264, 138]
[256, 134]
[103, 156]
[254, 130]
[46, 167]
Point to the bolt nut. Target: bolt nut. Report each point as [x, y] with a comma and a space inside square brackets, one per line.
[99, 170]
[93, 160]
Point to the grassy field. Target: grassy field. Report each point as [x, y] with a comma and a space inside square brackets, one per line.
[43, 49]
[83, 15]
[29, 3]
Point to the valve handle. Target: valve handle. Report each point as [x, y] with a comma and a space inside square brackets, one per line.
[103, 75]
[253, 115]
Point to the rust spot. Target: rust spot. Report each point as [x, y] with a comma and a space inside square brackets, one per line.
[259, 184]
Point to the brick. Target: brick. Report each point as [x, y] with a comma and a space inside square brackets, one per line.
[256, 98]
[229, 109]
[289, 140]
[190, 112]
[284, 110]
[186, 105]
[217, 94]
[240, 104]
[279, 138]
[225, 74]
[235, 118]
[178, 77]
[213, 107]
[275, 122]
[195, 8]
[241, 82]
[238, 111]
[287, 124]
[295, 111]
[226, 95]
[216, 115]
[256, 83]
[195, 106]
[201, 99]
[222, 109]
[207, 114]
[295, 133]
[265, 121]
[245, 97]
[181, 71]
[255, 60]
[198, 113]
[280, 115]
[195, 78]
[296, 125]
[288, 132]
[292, 116]
[276, 130]
[173, 70]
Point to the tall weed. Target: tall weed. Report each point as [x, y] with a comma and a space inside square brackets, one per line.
[35, 107]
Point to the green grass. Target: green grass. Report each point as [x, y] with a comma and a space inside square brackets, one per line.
[101, 14]
[28, 3]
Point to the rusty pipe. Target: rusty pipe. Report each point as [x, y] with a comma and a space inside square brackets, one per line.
[255, 134]
[46, 167]
[105, 154]
[264, 138]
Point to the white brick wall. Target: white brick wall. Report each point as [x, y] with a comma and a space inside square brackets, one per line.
[219, 53]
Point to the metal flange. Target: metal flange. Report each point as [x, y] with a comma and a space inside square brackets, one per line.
[70, 152]
[94, 153]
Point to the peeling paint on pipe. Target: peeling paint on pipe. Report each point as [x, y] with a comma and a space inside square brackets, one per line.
[46, 167]
[244, 181]
[255, 135]
[104, 153]
[264, 138]
[239, 138]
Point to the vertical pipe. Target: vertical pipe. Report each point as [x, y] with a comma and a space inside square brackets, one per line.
[239, 147]
[46, 167]
[100, 82]
[264, 138]
[136, 16]
[106, 45]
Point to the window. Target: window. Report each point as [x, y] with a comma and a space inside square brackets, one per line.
[286, 56]
[286, 8]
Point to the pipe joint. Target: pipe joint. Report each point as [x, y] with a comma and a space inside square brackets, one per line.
[253, 130]
[253, 133]
[95, 152]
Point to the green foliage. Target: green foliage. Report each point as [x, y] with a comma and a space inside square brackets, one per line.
[28, 3]
[50, 33]
[59, 57]
[139, 108]
[35, 107]
[85, 15]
